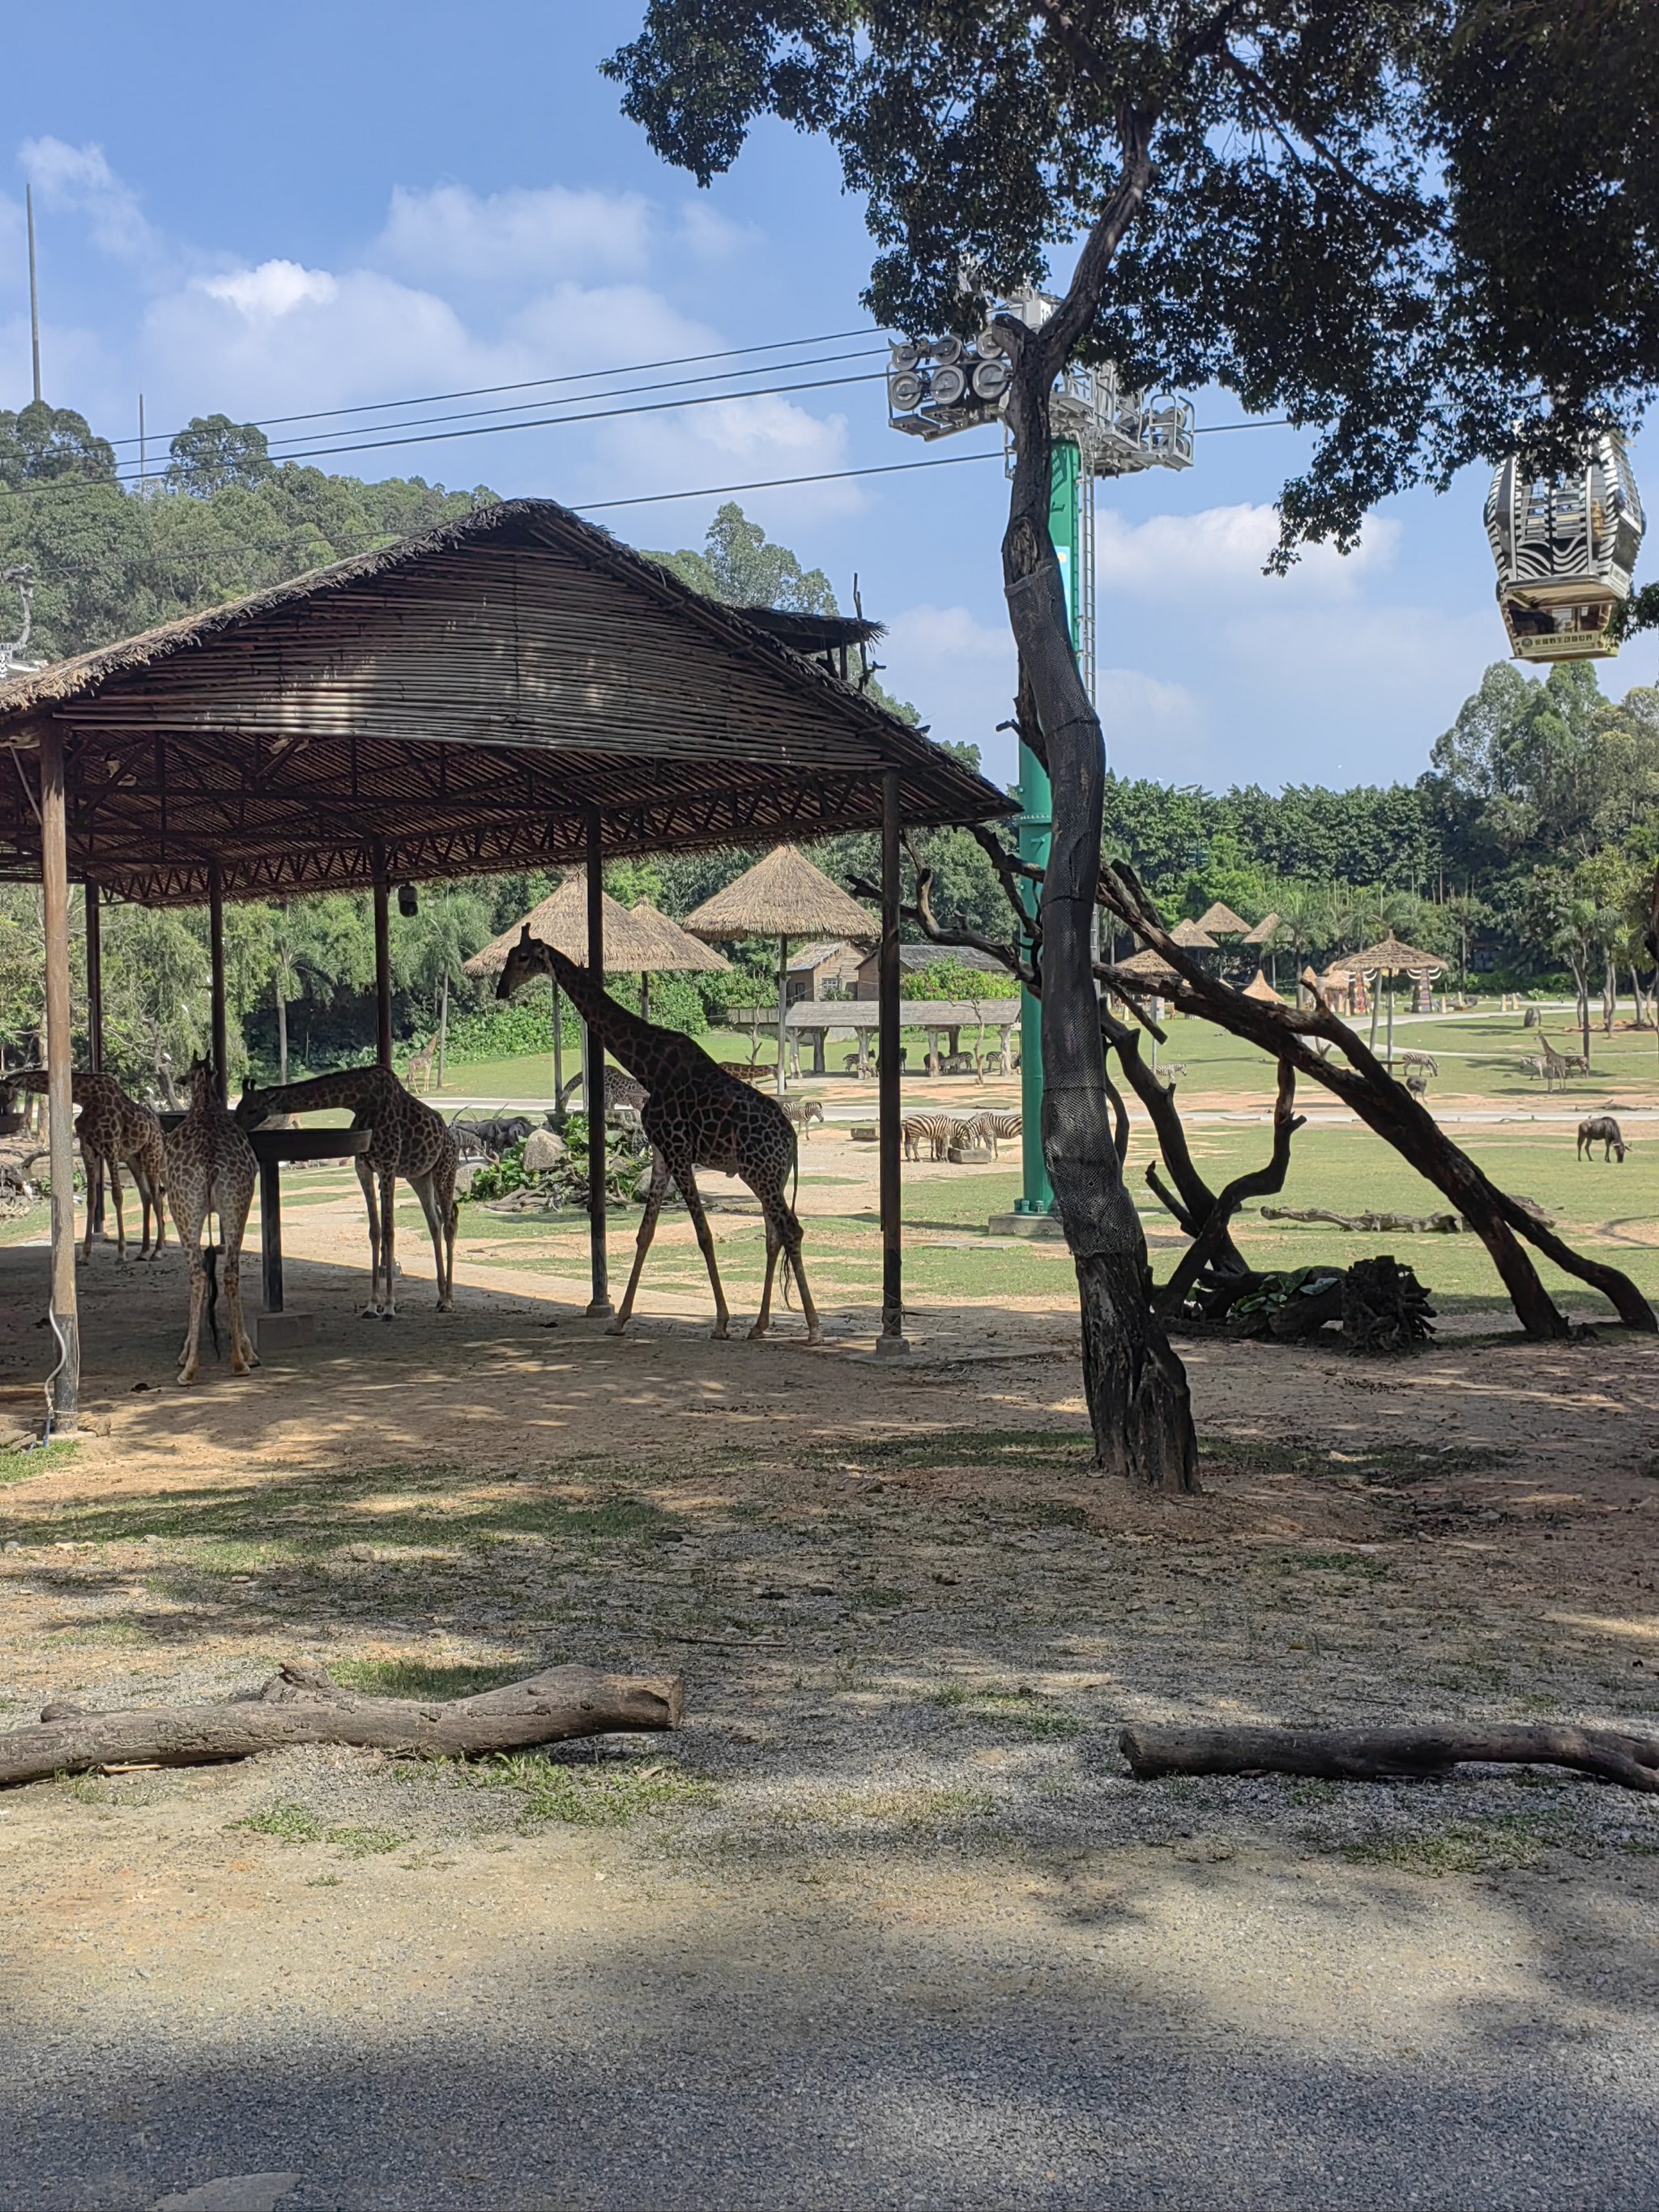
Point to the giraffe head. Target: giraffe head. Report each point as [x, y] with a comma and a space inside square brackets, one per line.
[530, 956]
[251, 1108]
[202, 1082]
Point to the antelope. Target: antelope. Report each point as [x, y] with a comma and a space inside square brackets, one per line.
[1601, 1129]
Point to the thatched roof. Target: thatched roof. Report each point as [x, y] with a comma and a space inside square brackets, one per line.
[1192, 937]
[1221, 921]
[1388, 957]
[1263, 931]
[561, 920]
[673, 948]
[1260, 987]
[463, 703]
[783, 895]
[1149, 963]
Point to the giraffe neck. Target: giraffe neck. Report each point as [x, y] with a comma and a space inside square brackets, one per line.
[345, 1087]
[642, 1048]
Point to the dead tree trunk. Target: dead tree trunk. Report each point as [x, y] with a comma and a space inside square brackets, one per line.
[1206, 1246]
[303, 1704]
[1384, 1105]
[1383, 1754]
[1139, 1404]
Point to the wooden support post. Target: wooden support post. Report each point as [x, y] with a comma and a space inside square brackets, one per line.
[270, 1232]
[64, 1390]
[892, 1340]
[94, 980]
[382, 961]
[216, 952]
[783, 1011]
[96, 1015]
[558, 1048]
[599, 1305]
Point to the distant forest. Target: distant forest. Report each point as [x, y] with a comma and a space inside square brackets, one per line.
[1522, 856]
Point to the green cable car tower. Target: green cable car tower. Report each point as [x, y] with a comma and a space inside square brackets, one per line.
[1100, 429]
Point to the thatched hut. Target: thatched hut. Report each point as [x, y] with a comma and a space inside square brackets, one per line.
[782, 895]
[1260, 987]
[1221, 921]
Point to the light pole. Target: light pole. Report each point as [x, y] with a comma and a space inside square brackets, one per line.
[938, 387]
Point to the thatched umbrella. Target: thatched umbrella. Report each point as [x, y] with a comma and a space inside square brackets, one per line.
[1192, 937]
[1260, 987]
[561, 920]
[1221, 921]
[783, 895]
[1387, 960]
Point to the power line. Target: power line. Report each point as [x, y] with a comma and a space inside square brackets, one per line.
[777, 483]
[539, 383]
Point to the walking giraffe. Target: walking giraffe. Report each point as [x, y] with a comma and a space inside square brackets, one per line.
[696, 1116]
[112, 1128]
[407, 1138]
[210, 1169]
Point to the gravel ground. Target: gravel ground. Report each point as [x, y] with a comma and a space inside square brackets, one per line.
[887, 1923]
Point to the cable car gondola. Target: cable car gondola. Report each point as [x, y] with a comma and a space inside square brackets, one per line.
[1565, 547]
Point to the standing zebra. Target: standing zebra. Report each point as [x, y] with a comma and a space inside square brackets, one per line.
[937, 1131]
[992, 1129]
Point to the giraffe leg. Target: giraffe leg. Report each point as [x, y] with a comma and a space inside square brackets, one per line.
[388, 1246]
[243, 1356]
[436, 1221]
[120, 1217]
[661, 1176]
[94, 1163]
[773, 1244]
[693, 1197]
[366, 1177]
[792, 1246]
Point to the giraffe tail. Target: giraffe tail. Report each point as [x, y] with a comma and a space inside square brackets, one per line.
[211, 1267]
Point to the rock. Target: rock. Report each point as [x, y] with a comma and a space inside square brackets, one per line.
[465, 1176]
[542, 1151]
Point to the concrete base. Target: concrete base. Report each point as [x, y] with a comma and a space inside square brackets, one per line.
[892, 1347]
[1041, 1225]
[283, 1332]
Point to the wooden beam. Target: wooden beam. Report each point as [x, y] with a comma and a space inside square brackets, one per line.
[892, 1340]
[64, 1390]
[217, 951]
[599, 1305]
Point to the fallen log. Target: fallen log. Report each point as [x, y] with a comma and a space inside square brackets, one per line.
[1382, 1755]
[303, 1703]
[1371, 1225]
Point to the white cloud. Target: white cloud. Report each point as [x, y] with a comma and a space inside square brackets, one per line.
[517, 236]
[930, 636]
[81, 178]
[273, 290]
[1223, 549]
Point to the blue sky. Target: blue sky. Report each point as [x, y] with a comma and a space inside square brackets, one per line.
[267, 211]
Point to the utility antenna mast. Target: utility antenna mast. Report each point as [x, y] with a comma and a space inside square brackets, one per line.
[34, 293]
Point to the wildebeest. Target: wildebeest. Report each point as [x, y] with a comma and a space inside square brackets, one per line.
[1601, 1129]
[493, 1136]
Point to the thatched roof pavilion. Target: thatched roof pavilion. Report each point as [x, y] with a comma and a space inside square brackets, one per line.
[1260, 987]
[1263, 933]
[1192, 937]
[673, 948]
[513, 689]
[1390, 957]
[1221, 921]
[561, 920]
[782, 895]
[465, 701]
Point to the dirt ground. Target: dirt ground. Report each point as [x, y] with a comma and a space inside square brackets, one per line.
[887, 1923]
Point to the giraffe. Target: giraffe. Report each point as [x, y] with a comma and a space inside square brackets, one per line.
[407, 1138]
[210, 1169]
[420, 1065]
[696, 1116]
[112, 1128]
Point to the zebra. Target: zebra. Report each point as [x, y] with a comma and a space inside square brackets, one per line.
[802, 1113]
[1425, 1061]
[936, 1131]
[988, 1128]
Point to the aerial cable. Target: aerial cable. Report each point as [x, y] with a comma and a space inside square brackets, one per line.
[539, 383]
